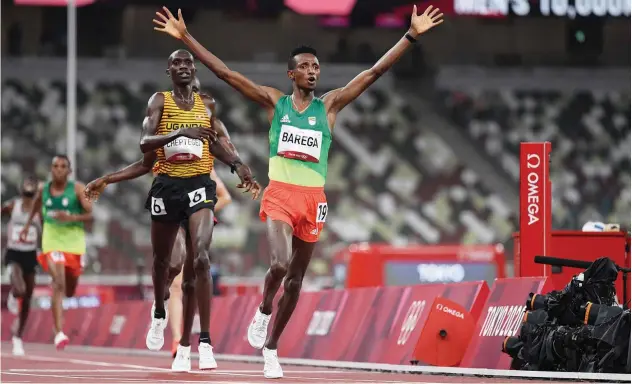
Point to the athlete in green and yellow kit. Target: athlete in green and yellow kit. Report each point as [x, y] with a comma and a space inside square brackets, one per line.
[294, 204]
[64, 210]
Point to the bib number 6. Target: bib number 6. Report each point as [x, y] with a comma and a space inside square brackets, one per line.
[321, 213]
[196, 197]
[157, 206]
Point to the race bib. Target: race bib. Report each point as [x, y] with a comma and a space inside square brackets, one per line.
[198, 196]
[321, 213]
[31, 237]
[158, 206]
[183, 150]
[300, 144]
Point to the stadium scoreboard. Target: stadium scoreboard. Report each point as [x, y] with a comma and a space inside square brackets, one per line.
[545, 8]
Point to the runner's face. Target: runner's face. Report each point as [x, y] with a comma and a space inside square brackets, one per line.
[28, 189]
[60, 169]
[307, 71]
[181, 68]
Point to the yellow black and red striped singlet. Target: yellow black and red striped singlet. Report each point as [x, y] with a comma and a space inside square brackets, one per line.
[173, 117]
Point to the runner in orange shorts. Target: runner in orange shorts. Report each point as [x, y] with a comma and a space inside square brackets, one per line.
[64, 210]
[301, 126]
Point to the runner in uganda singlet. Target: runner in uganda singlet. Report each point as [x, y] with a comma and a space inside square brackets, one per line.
[59, 236]
[299, 144]
[183, 157]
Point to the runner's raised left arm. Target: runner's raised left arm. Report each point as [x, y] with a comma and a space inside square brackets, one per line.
[336, 100]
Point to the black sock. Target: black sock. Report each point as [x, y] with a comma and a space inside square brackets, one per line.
[159, 314]
[205, 337]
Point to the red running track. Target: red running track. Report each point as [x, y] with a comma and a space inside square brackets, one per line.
[43, 364]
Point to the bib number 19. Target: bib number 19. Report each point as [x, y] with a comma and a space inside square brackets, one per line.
[321, 213]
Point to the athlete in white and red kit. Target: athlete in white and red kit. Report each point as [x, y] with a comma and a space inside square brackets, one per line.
[21, 257]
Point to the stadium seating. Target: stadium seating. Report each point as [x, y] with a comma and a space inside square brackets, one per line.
[389, 180]
[590, 133]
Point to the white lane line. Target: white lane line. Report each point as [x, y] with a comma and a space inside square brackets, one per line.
[220, 371]
[95, 371]
[138, 368]
[125, 380]
[85, 362]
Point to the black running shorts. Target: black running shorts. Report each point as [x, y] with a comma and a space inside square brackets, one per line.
[27, 260]
[175, 199]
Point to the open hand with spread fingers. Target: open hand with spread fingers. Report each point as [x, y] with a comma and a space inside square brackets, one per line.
[422, 23]
[95, 188]
[248, 182]
[251, 186]
[169, 24]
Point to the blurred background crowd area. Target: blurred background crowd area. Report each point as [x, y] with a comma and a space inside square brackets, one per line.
[429, 155]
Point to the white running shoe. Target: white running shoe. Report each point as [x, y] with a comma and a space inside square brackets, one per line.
[18, 348]
[13, 304]
[258, 329]
[182, 362]
[156, 334]
[271, 368]
[207, 360]
[61, 340]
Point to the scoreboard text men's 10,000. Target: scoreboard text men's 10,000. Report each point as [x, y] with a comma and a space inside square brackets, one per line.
[552, 8]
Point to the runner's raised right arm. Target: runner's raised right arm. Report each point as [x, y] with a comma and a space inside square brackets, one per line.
[265, 96]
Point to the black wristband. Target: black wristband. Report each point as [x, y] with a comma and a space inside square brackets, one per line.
[410, 38]
[233, 166]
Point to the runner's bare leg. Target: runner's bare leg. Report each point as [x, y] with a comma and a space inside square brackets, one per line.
[280, 240]
[302, 254]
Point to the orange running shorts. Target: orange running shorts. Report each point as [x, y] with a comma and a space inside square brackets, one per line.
[71, 261]
[303, 208]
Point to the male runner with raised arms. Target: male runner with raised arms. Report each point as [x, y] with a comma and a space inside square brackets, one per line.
[64, 209]
[21, 257]
[179, 127]
[294, 203]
